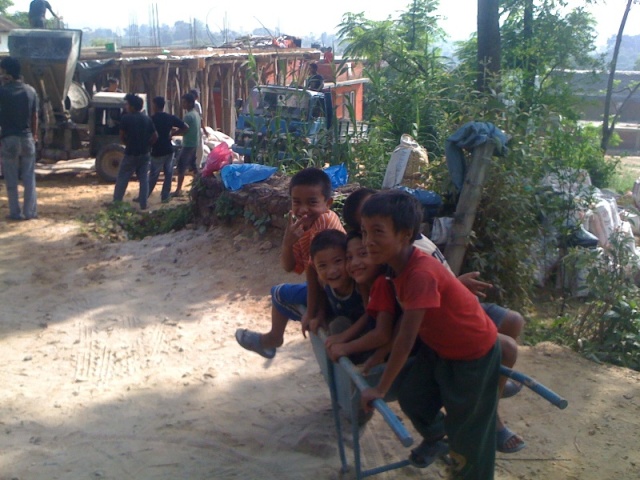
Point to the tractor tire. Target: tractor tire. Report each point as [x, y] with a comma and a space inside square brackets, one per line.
[108, 161]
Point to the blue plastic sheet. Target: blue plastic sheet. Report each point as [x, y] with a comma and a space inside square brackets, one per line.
[338, 175]
[235, 176]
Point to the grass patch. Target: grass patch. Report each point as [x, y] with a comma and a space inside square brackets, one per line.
[121, 221]
[626, 174]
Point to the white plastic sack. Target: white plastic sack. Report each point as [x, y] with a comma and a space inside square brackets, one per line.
[406, 165]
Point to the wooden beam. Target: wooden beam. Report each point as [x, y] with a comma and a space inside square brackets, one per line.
[468, 205]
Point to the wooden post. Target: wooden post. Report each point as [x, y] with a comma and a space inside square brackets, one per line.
[468, 205]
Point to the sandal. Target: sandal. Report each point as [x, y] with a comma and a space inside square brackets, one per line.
[502, 438]
[511, 388]
[251, 341]
[428, 452]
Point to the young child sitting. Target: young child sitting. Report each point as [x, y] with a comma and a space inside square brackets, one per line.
[508, 322]
[458, 364]
[361, 340]
[329, 256]
[310, 191]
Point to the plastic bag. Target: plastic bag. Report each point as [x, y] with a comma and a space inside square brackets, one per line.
[235, 176]
[338, 175]
[218, 157]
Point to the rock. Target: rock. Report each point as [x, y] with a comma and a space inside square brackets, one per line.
[265, 246]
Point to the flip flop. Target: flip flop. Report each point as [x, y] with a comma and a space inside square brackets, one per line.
[251, 341]
[511, 388]
[503, 436]
[428, 452]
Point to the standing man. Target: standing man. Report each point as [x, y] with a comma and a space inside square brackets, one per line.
[19, 124]
[37, 11]
[198, 108]
[315, 81]
[138, 135]
[166, 125]
[190, 141]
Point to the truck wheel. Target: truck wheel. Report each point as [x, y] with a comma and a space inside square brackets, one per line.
[108, 161]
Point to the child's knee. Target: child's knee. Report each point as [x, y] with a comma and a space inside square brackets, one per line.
[512, 324]
[509, 350]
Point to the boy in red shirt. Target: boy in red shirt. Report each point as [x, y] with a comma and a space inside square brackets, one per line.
[458, 364]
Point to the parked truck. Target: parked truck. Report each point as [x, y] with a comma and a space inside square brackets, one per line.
[73, 123]
[281, 122]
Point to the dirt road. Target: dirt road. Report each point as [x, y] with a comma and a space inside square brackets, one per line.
[119, 362]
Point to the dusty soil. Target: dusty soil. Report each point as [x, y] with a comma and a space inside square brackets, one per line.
[119, 362]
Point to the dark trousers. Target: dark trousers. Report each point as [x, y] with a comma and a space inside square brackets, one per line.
[468, 390]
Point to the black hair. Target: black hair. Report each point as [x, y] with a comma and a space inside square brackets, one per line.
[189, 98]
[11, 65]
[403, 208]
[112, 81]
[351, 206]
[195, 92]
[328, 239]
[134, 100]
[354, 234]
[159, 102]
[312, 177]
[313, 67]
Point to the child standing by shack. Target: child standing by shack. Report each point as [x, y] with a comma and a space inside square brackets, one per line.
[310, 191]
[458, 364]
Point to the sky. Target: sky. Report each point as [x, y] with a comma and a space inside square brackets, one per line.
[298, 19]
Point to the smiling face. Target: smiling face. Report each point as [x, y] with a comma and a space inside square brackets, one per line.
[308, 203]
[330, 264]
[384, 244]
[359, 267]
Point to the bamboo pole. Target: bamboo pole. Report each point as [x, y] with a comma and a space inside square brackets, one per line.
[468, 205]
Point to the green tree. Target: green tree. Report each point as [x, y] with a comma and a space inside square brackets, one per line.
[4, 6]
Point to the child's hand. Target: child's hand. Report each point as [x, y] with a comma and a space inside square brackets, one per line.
[367, 396]
[294, 229]
[336, 351]
[477, 287]
[315, 324]
[304, 323]
[376, 359]
[333, 339]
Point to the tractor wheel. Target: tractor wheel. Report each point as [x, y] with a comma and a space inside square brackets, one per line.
[108, 161]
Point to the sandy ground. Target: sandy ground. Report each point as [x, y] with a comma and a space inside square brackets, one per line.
[119, 362]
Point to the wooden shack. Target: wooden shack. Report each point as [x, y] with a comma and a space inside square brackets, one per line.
[222, 75]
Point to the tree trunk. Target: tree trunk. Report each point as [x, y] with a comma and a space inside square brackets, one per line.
[488, 43]
[607, 130]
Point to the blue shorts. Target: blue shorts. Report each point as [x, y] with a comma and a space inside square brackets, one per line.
[495, 312]
[290, 299]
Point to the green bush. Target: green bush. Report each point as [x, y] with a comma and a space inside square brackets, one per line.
[122, 217]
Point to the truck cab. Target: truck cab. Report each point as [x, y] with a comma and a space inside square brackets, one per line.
[274, 117]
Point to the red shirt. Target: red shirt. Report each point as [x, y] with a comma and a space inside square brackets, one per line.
[326, 221]
[454, 325]
[382, 298]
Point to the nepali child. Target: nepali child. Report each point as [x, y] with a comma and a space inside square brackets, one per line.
[310, 192]
[191, 139]
[373, 330]
[508, 322]
[138, 134]
[328, 253]
[457, 367]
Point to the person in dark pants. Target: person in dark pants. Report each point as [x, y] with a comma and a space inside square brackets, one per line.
[37, 11]
[166, 125]
[19, 124]
[138, 134]
[458, 364]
